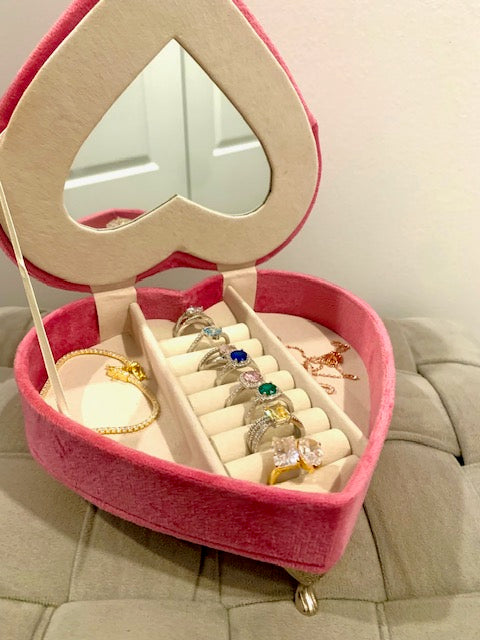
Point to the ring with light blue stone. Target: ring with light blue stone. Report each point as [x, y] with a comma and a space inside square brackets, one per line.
[211, 334]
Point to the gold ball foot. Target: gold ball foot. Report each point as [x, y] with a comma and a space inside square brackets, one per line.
[306, 600]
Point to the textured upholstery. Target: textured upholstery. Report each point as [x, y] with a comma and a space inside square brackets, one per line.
[411, 570]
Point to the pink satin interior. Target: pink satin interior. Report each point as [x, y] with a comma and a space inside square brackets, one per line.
[220, 512]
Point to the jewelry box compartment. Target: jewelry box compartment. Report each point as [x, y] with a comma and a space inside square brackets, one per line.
[188, 450]
[195, 427]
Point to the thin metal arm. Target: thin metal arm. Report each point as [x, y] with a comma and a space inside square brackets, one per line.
[32, 303]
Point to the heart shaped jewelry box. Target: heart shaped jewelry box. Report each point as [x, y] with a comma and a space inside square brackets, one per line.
[190, 472]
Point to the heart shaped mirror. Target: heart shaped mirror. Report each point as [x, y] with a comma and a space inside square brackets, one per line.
[171, 132]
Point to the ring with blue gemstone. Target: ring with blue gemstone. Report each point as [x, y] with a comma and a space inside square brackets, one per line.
[212, 334]
[227, 359]
[236, 360]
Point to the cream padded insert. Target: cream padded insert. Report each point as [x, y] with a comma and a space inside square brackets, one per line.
[194, 427]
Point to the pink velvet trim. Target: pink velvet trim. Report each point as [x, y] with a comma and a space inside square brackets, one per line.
[60, 30]
[224, 513]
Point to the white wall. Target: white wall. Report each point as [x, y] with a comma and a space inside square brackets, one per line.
[396, 90]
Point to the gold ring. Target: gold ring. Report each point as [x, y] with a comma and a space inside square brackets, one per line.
[289, 454]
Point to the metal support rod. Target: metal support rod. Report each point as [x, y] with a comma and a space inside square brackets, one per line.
[35, 311]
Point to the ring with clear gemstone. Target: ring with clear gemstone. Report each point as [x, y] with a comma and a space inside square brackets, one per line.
[264, 395]
[290, 454]
[273, 417]
[212, 334]
[192, 317]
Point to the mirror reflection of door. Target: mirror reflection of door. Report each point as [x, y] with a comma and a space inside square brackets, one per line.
[171, 132]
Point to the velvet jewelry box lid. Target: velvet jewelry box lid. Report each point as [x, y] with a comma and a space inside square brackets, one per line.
[77, 72]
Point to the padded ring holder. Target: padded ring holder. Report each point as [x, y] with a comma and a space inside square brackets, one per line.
[93, 53]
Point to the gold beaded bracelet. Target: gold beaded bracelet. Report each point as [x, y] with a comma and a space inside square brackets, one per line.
[130, 371]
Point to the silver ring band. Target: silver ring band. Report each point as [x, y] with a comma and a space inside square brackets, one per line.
[233, 362]
[248, 383]
[212, 334]
[212, 359]
[264, 396]
[191, 317]
[272, 418]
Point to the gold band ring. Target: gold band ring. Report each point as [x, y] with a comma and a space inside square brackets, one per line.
[289, 454]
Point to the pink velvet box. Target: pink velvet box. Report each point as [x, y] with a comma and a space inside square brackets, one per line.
[240, 517]
[293, 529]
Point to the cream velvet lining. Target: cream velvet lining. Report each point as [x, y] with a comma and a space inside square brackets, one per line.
[194, 427]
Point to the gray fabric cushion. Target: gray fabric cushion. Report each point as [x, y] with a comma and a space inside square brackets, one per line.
[411, 570]
[14, 323]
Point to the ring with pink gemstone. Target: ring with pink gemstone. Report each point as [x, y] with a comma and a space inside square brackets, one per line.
[275, 417]
[264, 395]
[192, 317]
[211, 334]
[248, 383]
[290, 454]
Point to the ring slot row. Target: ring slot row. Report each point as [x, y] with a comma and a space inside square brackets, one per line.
[180, 344]
[161, 329]
[327, 479]
[232, 444]
[214, 399]
[205, 380]
[185, 363]
[258, 466]
[232, 417]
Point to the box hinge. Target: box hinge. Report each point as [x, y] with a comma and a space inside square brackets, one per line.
[243, 280]
[112, 304]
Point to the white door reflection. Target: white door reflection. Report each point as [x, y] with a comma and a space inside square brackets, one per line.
[171, 132]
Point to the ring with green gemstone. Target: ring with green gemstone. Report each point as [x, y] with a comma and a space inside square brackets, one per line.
[211, 334]
[265, 394]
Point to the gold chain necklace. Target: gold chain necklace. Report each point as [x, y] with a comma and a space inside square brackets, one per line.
[130, 371]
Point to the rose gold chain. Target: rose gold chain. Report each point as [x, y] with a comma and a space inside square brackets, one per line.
[332, 359]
